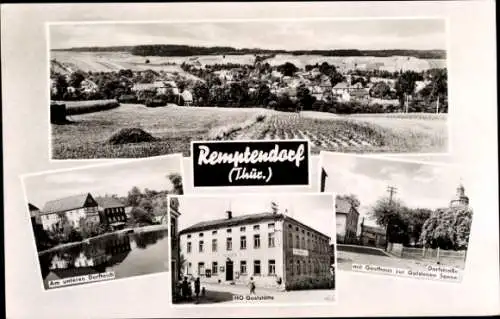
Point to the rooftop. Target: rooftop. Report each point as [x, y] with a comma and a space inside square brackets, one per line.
[241, 220]
[342, 206]
[65, 204]
[109, 202]
[373, 229]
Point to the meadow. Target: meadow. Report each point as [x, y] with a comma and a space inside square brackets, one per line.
[174, 127]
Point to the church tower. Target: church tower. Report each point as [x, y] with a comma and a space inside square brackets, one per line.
[460, 200]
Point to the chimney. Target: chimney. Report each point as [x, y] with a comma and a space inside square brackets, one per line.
[229, 214]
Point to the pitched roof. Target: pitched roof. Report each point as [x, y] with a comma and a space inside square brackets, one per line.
[241, 220]
[65, 204]
[225, 222]
[341, 85]
[372, 229]
[32, 207]
[109, 202]
[342, 206]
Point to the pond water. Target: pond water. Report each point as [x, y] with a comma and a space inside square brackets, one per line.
[124, 254]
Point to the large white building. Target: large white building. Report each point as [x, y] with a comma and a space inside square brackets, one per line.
[73, 208]
[275, 249]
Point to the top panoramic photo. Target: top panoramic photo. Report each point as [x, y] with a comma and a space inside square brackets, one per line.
[128, 90]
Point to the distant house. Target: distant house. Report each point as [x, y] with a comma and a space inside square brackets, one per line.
[144, 87]
[187, 97]
[420, 85]
[88, 86]
[345, 92]
[112, 212]
[346, 217]
[71, 208]
[372, 236]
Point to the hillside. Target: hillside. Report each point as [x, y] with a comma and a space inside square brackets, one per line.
[186, 50]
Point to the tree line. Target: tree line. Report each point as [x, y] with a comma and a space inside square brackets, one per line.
[188, 50]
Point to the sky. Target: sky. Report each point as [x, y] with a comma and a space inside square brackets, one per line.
[418, 185]
[313, 210]
[103, 179]
[422, 34]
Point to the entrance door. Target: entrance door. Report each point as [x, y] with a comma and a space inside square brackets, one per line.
[229, 270]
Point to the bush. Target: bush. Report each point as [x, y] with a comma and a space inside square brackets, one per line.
[309, 283]
[127, 98]
[82, 107]
[130, 135]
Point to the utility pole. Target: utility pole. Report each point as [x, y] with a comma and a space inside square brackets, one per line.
[437, 105]
[392, 190]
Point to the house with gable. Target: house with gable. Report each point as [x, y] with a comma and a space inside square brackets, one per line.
[71, 208]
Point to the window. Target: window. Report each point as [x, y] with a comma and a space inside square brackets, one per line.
[243, 242]
[242, 229]
[214, 232]
[296, 228]
[272, 267]
[189, 269]
[256, 267]
[303, 243]
[243, 267]
[214, 268]
[303, 231]
[291, 266]
[256, 241]
[270, 239]
[214, 244]
[200, 246]
[188, 247]
[256, 227]
[270, 226]
[229, 244]
[298, 267]
[289, 226]
[297, 242]
[189, 236]
[290, 240]
[201, 235]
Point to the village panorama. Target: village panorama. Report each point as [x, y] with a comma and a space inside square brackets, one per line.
[149, 100]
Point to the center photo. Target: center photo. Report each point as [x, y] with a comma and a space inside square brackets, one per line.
[253, 249]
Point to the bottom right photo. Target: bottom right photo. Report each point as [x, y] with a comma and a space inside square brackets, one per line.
[400, 218]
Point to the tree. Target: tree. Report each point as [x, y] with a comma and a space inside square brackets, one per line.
[263, 94]
[336, 78]
[134, 196]
[389, 213]
[61, 86]
[304, 97]
[415, 219]
[176, 180]
[201, 94]
[89, 229]
[327, 69]
[288, 69]
[405, 85]
[76, 79]
[380, 90]
[448, 228]
[146, 204]
[140, 215]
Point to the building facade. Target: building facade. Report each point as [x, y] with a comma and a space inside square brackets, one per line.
[69, 209]
[176, 266]
[346, 218]
[111, 212]
[276, 250]
[372, 236]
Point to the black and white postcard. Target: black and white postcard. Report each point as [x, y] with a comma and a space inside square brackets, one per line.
[139, 89]
[400, 218]
[102, 222]
[253, 249]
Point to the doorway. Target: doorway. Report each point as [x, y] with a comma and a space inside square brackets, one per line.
[229, 270]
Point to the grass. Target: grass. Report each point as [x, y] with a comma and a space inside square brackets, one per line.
[175, 127]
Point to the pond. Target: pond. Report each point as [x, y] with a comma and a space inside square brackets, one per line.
[126, 255]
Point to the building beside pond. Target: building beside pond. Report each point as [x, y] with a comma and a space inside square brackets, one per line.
[275, 249]
[69, 209]
[111, 212]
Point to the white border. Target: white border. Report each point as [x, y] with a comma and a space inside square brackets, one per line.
[446, 20]
[309, 162]
[230, 304]
[22, 178]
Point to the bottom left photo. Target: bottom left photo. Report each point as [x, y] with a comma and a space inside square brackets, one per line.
[102, 222]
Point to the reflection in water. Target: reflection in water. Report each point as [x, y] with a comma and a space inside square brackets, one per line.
[96, 255]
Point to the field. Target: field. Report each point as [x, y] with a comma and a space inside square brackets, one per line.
[86, 136]
[114, 61]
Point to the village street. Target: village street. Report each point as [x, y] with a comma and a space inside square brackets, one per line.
[223, 293]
